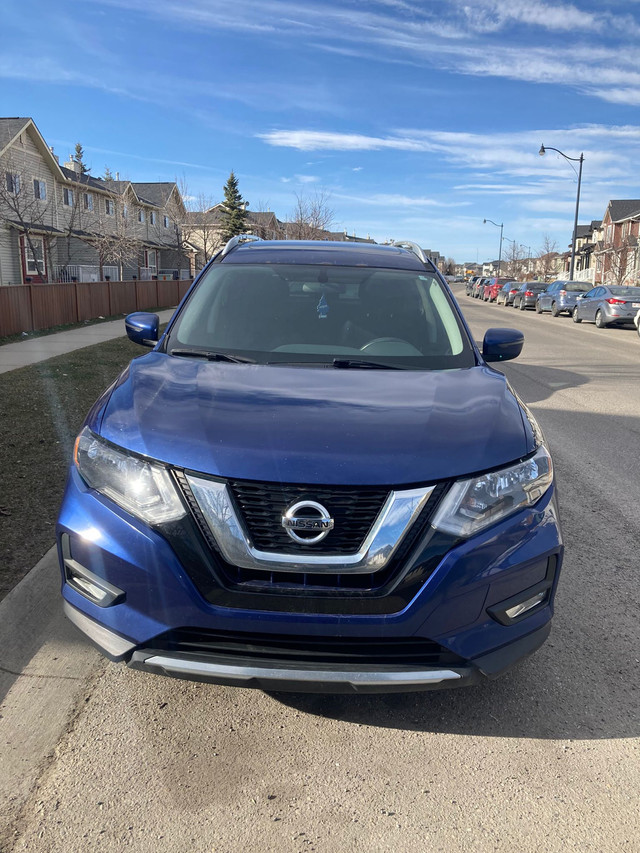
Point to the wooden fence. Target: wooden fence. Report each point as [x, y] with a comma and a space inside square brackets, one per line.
[28, 307]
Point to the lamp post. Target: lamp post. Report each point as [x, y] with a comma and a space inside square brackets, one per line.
[580, 160]
[500, 250]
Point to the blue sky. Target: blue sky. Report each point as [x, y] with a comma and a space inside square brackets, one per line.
[418, 119]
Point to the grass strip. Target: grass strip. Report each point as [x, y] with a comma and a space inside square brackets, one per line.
[41, 410]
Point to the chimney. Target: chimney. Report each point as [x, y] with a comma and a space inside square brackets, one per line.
[55, 156]
[73, 165]
[117, 176]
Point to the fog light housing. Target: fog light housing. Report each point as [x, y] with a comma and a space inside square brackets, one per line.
[528, 604]
[525, 603]
[87, 583]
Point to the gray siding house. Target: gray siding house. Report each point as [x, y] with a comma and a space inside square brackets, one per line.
[58, 223]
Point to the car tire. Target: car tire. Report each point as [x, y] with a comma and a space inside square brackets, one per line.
[554, 310]
[538, 308]
[523, 305]
[600, 324]
[574, 316]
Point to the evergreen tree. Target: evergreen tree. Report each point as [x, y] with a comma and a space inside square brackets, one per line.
[108, 174]
[79, 158]
[234, 214]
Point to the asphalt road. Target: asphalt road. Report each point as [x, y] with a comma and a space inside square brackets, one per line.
[547, 758]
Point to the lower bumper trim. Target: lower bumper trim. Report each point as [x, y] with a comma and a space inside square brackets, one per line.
[282, 678]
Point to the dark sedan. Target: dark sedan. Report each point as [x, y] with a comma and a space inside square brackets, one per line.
[507, 292]
[527, 294]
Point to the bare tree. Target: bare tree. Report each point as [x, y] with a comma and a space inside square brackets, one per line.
[201, 228]
[514, 260]
[114, 238]
[26, 202]
[546, 258]
[312, 216]
[620, 262]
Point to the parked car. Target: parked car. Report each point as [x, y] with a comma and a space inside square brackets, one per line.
[615, 305]
[492, 287]
[636, 322]
[470, 284]
[527, 293]
[507, 292]
[478, 286]
[288, 492]
[560, 296]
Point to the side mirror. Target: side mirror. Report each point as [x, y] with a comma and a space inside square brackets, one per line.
[142, 328]
[502, 344]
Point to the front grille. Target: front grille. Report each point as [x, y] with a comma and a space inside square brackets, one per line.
[384, 591]
[262, 506]
[390, 651]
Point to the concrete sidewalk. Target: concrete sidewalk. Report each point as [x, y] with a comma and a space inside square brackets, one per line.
[32, 350]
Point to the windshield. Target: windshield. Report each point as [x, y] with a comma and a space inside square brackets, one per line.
[633, 292]
[575, 286]
[291, 313]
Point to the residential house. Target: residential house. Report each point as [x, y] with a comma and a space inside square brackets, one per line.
[59, 223]
[617, 257]
[586, 239]
[202, 229]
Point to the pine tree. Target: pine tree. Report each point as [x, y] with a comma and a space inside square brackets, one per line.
[79, 158]
[234, 214]
[108, 174]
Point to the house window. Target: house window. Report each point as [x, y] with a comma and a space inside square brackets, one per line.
[88, 201]
[39, 189]
[152, 217]
[108, 206]
[13, 183]
[125, 211]
[166, 221]
[34, 255]
[140, 215]
[67, 197]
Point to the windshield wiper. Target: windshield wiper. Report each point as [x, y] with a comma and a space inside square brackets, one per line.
[212, 355]
[358, 363]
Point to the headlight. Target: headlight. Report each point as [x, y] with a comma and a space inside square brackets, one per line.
[142, 488]
[472, 505]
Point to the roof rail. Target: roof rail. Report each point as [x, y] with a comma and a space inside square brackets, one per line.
[236, 241]
[413, 247]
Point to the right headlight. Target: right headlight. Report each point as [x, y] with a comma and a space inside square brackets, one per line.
[471, 505]
[136, 484]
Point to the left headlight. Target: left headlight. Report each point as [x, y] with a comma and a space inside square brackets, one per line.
[142, 488]
[472, 505]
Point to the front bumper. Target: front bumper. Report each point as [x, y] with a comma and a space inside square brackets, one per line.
[459, 609]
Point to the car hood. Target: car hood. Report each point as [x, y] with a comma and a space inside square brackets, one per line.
[315, 425]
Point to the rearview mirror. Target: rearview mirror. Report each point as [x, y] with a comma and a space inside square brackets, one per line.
[142, 328]
[502, 344]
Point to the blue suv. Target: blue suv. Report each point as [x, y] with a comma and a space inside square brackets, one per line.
[313, 481]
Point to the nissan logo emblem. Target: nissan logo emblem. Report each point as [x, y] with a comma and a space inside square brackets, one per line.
[307, 522]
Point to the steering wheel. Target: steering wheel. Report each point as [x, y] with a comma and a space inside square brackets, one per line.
[383, 341]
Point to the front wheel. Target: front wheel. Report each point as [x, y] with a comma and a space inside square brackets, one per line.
[575, 317]
[600, 323]
[538, 308]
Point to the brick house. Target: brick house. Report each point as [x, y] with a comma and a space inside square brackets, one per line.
[617, 258]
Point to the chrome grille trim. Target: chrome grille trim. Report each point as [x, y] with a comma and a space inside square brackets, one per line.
[396, 517]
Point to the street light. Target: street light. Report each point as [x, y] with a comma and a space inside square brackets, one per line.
[580, 160]
[500, 251]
